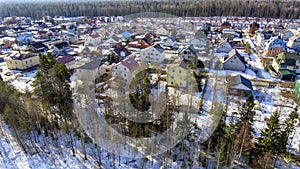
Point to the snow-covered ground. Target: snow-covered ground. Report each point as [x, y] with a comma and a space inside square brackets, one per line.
[21, 80]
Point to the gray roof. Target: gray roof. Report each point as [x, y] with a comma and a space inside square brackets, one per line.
[91, 65]
[239, 79]
[232, 53]
[159, 48]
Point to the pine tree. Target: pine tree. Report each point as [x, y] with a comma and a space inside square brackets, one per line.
[289, 126]
[270, 138]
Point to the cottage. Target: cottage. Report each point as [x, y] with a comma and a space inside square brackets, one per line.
[38, 47]
[21, 60]
[224, 46]
[92, 40]
[274, 46]
[189, 54]
[153, 54]
[68, 61]
[225, 25]
[234, 61]
[286, 60]
[170, 42]
[177, 75]
[125, 68]
[58, 48]
[253, 27]
[239, 85]
[92, 69]
[198, 44]
[294, 43]
[286, 34]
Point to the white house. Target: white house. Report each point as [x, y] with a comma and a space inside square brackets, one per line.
[92, 40]
[224, 46]
[162, 31]
[125, 68]
[153, 54]
[198, 44]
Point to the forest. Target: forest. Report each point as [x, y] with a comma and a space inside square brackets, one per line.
[264, 9]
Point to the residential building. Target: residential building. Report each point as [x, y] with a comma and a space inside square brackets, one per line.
[234, 61]
[189, 54]
[274, 46]
[68, 61]
[286, 34]
[239, 85]
[287, 60]
[125, 68]
[224, 46]
[153, 54]
[92, 40]
[21, 60]
[177, 75]
[294, 42]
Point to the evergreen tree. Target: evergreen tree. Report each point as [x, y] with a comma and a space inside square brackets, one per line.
[270, 137]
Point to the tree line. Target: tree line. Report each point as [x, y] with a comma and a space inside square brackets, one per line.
[263, 9]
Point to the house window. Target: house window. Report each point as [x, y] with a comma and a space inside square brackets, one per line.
[173, 70]
[172, 82]
[124, 68]
[180, 84]
[172, 77]
[125, 74]
[235, 57]
[10, 62]
[179, 71]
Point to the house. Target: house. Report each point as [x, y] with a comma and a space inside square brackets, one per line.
[239, 85]
[274, 46]
[286, 60]
[177, 75]
[198, 44]
[225, 25]
[162, 31]
[286, 34]
[189, 54]
[92, 69]
[224, 46]
[121, 51]
[70, 38]
[58, 48]
[294, 42]
[21, 60]
[89, 51]
[228, 34]
[253, 27]
[127, 34]
[153, 54]
[23, 38]
[234, 61]
[38, 47]
[287, 75]
[92, 40]
[113, 40]
[125, 68]
[170, 42]
[68, 61]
